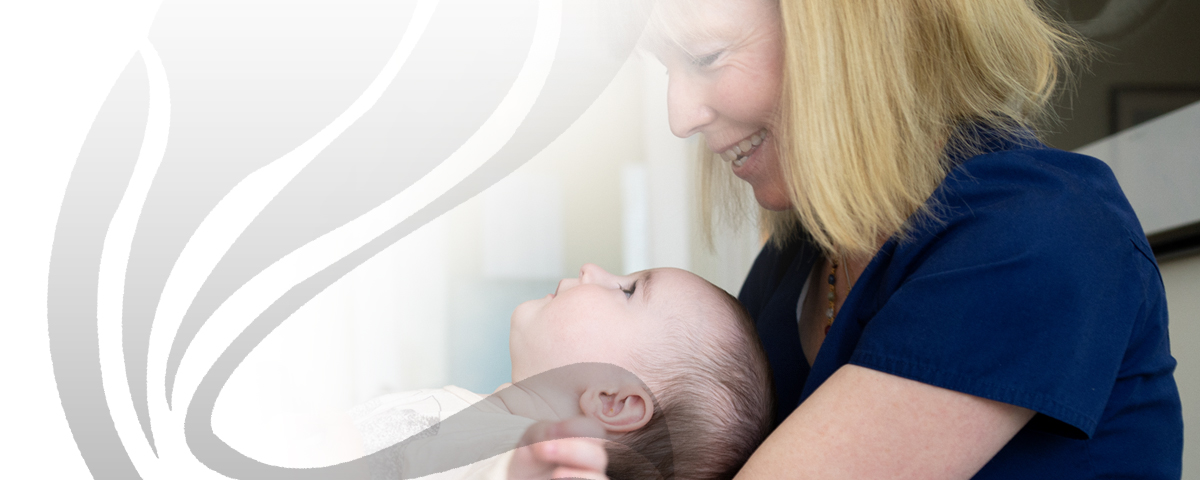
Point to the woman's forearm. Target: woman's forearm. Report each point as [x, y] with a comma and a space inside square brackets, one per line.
[864, 424]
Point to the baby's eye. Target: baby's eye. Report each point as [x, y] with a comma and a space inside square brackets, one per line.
[629, 291]
[706, 60]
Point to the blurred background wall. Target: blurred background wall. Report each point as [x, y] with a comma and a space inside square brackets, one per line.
[1154, 62]
[617, 189]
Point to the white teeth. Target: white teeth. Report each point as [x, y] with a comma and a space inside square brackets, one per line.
[735, 154]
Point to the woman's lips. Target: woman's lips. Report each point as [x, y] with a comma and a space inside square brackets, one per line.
[745, 165]
[739, 152]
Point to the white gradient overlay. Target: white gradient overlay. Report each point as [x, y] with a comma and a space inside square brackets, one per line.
[565, 207]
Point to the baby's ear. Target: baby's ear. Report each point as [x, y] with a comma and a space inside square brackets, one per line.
[623, 409]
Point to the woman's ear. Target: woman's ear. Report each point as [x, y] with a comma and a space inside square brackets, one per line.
[620, 410]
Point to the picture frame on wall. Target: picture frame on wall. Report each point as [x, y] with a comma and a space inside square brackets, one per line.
[1132, 105]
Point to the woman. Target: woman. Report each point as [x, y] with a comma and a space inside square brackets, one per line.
[943, 296]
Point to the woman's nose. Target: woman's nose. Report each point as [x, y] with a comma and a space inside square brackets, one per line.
[687, 109]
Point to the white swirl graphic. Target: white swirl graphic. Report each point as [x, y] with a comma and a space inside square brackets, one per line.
[155, 213]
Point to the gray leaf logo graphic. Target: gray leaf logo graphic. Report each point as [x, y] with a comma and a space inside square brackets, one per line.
[251, 154]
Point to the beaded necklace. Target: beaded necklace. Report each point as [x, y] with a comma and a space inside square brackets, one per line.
[829, 314]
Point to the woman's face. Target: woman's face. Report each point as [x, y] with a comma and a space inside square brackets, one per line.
[725, 61]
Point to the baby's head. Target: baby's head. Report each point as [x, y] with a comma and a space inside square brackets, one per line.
[691, 343]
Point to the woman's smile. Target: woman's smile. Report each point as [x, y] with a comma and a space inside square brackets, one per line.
[740, 151]
[745, 164]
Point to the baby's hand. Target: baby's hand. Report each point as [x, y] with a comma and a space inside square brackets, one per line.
[561, 450]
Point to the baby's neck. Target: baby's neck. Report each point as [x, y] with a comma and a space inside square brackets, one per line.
[538, 401]
[561, 393]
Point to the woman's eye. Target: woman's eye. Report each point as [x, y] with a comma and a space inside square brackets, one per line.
[629, 291]
[706, 60]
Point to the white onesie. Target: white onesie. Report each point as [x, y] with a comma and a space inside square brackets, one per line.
[421, 414]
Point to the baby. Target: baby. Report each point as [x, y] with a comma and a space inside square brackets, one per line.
[666, 362]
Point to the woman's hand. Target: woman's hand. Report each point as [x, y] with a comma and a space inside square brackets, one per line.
[568, 449]
[865, 424]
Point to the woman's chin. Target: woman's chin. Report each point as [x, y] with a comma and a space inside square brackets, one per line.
[774, 200]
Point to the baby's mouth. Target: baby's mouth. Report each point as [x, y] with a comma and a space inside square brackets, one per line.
[743, 149]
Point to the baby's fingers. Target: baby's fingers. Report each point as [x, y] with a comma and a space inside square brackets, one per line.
[585, 454]
[568, 473]
[560, 450]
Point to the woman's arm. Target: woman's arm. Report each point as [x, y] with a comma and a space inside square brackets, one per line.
[864, 424]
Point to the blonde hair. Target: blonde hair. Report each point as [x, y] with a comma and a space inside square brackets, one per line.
[875, 95]
[715, 403]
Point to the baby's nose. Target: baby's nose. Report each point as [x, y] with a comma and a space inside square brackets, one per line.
[591, 272]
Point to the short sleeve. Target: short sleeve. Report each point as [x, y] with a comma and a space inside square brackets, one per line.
[1024, 291]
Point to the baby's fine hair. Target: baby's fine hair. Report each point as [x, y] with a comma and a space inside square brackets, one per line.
[713, 394]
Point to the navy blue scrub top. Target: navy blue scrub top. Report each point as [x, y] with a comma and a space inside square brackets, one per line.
[1034, 286]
